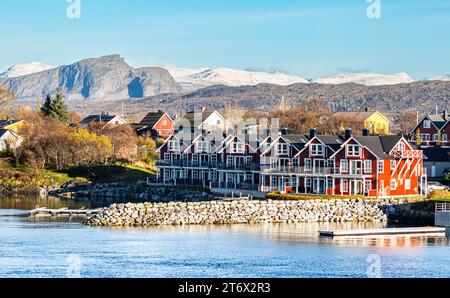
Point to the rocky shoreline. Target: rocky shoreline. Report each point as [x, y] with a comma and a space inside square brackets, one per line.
[244, 212]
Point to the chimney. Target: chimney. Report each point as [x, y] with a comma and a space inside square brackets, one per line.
[365, 132]
[367, 109]
[284, 131]
[348, 134]
[203, 109]
[312, 133]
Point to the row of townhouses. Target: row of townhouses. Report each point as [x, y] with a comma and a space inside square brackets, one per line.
[373, 166]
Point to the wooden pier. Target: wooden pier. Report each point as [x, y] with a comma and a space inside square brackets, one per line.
[385, 232]
[63, 212]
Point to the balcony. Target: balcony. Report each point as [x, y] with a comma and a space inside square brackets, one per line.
[186, 164]
[298, 170]
[408, 154]
[239, 167]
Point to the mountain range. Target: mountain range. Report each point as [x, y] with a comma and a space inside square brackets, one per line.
[101, 84]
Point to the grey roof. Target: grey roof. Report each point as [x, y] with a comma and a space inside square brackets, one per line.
[298, 141]
[192, 115]
[438, 120]
[437, 154]
[379, 145]
[97, 118]
[334, 142]
[152, 118]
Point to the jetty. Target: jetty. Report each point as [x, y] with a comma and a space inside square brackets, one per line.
[63, 212]
[384, 232]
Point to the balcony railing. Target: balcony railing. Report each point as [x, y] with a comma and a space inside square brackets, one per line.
[239, 167]
[299, 170]
[408, 154]
[443, 207]
[186, 163]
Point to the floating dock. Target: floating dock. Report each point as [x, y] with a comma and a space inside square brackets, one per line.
[63, 212]
[384, 232]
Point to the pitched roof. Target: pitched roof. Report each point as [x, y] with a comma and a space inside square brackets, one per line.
[191, 116]
[298, 141]
[334, 142]
[360, 116]
[438, 120]
[4, 123]
[97, 118]
[437, 154]
[152, 118]
[379, 145]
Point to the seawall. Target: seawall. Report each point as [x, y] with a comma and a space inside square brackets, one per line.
[244, 212]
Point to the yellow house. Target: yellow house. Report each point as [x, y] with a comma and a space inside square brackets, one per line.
[376, 122]
[14, 125]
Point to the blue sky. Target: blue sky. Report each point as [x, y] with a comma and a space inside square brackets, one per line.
[306, 38]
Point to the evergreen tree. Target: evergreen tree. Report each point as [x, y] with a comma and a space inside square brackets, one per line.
[59, 109]
[56, 108]
[47, 106]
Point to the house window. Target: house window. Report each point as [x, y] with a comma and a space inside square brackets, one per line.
[393, 165]
[344, 166]
[382, 186]
[195, 175]
[166, 157]
[393, 184]
[167, 174]
[435, 137]
[195, 159]
[381, 166]
[344, 185]
[444, 138]
[353, 150]
[330, 163]
[317, 150]
[282, 149]
[229, 161]
[202, 146]
[174, 146]
[214, 159]
[368, 166]
[237, 148]
[368, 186]
[164, 122]
[330, 184]
[308, 164]
[425, 137]
[427, 124]
[408, 184]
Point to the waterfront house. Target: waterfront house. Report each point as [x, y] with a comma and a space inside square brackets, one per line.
[104, 118]
[376, 122]
[432, 131]
[156, 124]
[372, 166]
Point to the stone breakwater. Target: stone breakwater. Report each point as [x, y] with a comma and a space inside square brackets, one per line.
[242, 212]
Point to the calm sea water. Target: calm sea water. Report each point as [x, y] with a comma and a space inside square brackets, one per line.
[48, 248]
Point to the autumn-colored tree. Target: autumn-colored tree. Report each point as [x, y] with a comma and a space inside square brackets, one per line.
[5, 98]
[123, 140]
[405, 122]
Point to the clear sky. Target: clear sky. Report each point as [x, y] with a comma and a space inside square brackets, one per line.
[306, 38]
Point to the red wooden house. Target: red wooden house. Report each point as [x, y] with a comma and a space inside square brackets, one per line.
[432, 131]
[156, 124]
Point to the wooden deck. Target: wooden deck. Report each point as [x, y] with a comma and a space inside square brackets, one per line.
[63, 212]
[384, 232]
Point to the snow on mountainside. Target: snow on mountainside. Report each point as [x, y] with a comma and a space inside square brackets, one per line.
[368, 79]
[24, 69]
[195, 78]
[444, 78]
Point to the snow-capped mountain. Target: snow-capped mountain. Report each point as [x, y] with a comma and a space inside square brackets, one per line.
[438, 78]
[24, 69]
[369, 79]
[195, 78]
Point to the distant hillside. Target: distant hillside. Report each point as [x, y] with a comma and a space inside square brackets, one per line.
[104, 78]
[423, 96]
